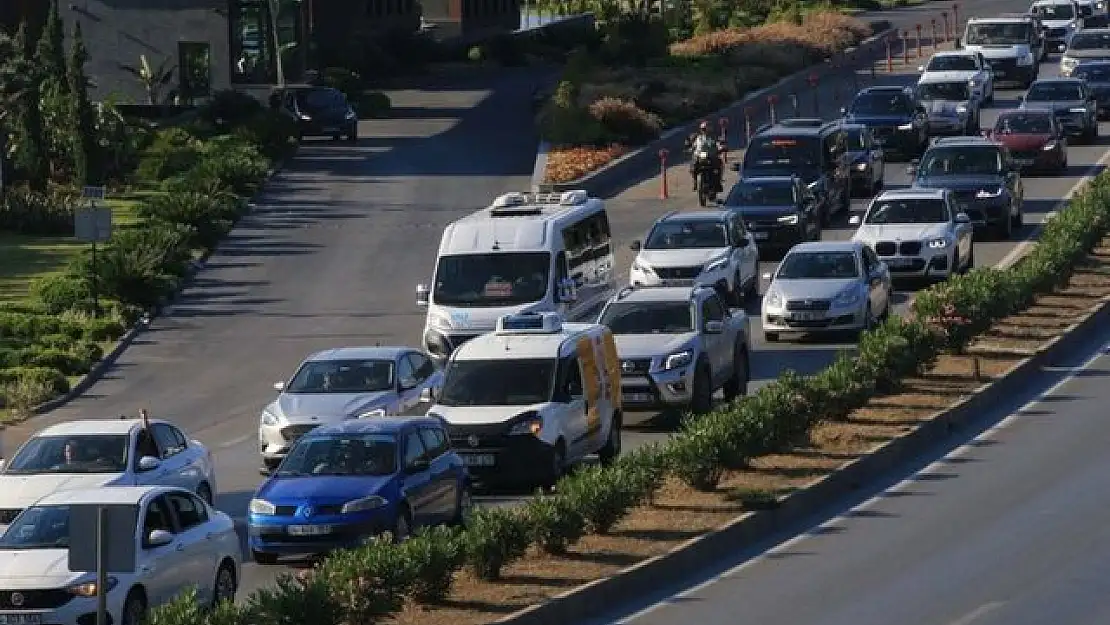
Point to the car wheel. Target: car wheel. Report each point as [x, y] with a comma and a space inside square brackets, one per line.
[263, 557]
[134, 609]
[970, 264]
[771, 337]
[612, 449]
[204, 491]
[558, 463]
[702, 400]
[225, 586]
[868, 319]
[1017, 222]
[737, 385]
[402, 525]
[1006, 228]
[463, 506]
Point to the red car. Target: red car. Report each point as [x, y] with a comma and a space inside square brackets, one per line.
[1034, 138]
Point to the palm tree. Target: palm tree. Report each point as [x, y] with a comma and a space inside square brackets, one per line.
[275, 9]
[153, 79]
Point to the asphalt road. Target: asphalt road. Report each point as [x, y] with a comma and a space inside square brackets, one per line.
[341, 238]
[1009, 528]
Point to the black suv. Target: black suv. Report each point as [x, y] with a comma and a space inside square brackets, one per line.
[320, 111]
[779, 211]
[984, 180]
[895, 116]
[814, 150]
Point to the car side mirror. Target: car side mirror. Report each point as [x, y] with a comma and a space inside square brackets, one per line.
[854, 220]
[428, 395]
[158, 538]
[714, 327]
[920, 68]
[423, 295]
[636, 246]
[962, 218]
[736, 167]
[279, 385]
[417, 466]
[149, 463]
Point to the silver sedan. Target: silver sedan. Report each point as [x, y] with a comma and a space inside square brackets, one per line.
[345, 383]
[826, 286]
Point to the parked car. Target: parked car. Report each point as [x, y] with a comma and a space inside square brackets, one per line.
[677, 347]
[104, 452]
[778, 211]
[320, 111]
[918, 233]
[343, 483]
[181, 543]
[1070, 100]
[896, 117]
[345, 383]
[1034, 138]
[826, 286]
[1097, 75]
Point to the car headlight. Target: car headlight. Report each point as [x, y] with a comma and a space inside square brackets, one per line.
[88, 589]
[847, 297]
[678, 360]
[987, 193]
[716, 265]
[351, 115]
[261, 506]
[861, 166]
[961, 109]
[813, 186]
[1048, 147]
[303, 117]
[639, 265]
[1077, 109]
[372, 502]
[939, 243]
[774, 300]
[269, 418]
[529, 424]
[789, 220]
[370, 414]
[1068, 63]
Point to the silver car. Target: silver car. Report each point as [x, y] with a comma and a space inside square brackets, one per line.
[826, 286]
[346, 383]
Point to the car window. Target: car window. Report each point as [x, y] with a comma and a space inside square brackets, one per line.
[414, 448]
[406, 375]
[712, 310]
[421, 365]
[189, 510]
[434, 441]
[157, 517]
[168, 440]
[146, 445]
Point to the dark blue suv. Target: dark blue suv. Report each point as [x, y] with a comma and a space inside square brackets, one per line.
[897, 119]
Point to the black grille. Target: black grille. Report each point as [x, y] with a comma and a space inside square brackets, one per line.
[884, 248]
[330, 508]
[678, 273]
[883, 131]
[34, 599]
[635, 366]
[495, 436]
[8, 515]
[285, 510]
[808, 304]
[964, 196]
[1003, 64]
[910, 248]
[1056, 32]
[917, 264]
[293, 432]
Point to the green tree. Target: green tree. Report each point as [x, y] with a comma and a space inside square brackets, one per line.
[86, 157]
[20, 93]
[50, 54]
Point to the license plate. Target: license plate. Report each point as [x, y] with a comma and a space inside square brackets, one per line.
[806, 316]
[478, 460]
[1024, 162]
[20, 619]
[678, 283]
[637, 397]
[899, 262]
[761, 236]
[309, 530]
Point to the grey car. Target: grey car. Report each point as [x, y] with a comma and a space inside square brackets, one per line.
[952, 105]
[1097, 75]
[1070, 100]
[826, 286]
[1085, 45]
[346, 383]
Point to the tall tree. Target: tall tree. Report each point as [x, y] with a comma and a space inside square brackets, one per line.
[50, 53]
[50, 57]
[86, 157]
[20, 93]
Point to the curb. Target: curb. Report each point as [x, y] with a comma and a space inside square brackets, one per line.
[615, 175]
[699, 553]
[164, 306]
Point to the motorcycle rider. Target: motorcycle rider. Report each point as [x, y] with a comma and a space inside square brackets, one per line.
[704, 140]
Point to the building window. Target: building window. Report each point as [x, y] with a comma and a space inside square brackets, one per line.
[252, 40]
[194, 69]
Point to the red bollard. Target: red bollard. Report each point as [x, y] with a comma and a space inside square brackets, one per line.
[934, 20]
[813, 80]
[918, 27]
[906, 47]
[947, 31]
[663, 192]
[748, 124]
[771, 101]
[723, 123]
[889, 55]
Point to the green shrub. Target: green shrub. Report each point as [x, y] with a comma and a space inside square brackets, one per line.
[273, 133]
[46, 377]
[602, 495]
[295, 601]
[625, 122]
[44, 214]
[493, 539]
[435, 553]
[61, 292]
[29, 326]
[369, 581]
[173, 151]
[555, 522]
[103, 330]
[230, 107]
[66, 363]
[226, 164]
[140, 266]
[209, 216]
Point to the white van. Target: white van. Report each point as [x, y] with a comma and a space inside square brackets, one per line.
[532, 398]
[524, 253]
[1011, 45]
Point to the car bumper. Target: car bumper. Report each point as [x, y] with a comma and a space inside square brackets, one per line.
[658, 390]
[947, 126]
[833, 320]
[775, 237]
[935, 266]
[900, 141]
[706, 278]
[501, 458]
[328, 128]
[272, 534]
[1007, 73]
[76, 611]
[987, 212]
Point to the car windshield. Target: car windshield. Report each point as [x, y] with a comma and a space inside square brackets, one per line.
[1027, 124]
[957, 91]
[498, 279]
[342, 376]
[916, 211]
[649, 317]
[962, 161]
[855, 139]
[342, 454]
[1055, 11]
[998, 34]
[953, 63]
[79, 453]
[501, 382]
[1089, 41]
[881, 103]
[1093, 73]
[1054, 92]
[818, 266]
[681, 235]
[38, 527]
[761, 194]
[321, 99]
[788, 154]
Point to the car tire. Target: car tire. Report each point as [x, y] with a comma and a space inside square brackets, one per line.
[737, 384]
[1006, 228]
[970, 264]
[204, 491]
[612, 449]
[702, 400]
[558, 466]
[771, 337]
[1017, 222]
[464, 505]
[264, 558]
[134, 608]
[737, 293]
[225, 585]
[402, 525]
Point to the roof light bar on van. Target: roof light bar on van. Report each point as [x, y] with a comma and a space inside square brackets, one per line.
[530, 323]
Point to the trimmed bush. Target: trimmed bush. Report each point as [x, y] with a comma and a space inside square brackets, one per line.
[62, 292]
[140, 266]
[495, 538]
[50, 379]
[44, 214]
[436, 553]
[173, 151]
[230, 107]
[626, 122]
[272, 132]
[103, 330]
[29, 326]
[209, 217]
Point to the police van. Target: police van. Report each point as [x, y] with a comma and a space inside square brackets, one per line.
[533, 397]
[524, 253]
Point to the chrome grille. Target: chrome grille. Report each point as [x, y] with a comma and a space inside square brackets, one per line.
[910, 248]
[808, 304]
[293, 432]
[678, 273]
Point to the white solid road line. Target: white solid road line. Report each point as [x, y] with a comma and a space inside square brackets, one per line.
[235, 441]
[978, 612]
[937, 466]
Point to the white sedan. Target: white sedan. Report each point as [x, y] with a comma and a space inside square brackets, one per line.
[180, 542]
[961, 65]
[104, 452]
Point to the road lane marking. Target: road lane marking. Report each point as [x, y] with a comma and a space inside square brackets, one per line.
[235, 441]
[980, 611]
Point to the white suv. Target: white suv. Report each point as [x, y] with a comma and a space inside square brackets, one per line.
[918, 233]
[704, 248]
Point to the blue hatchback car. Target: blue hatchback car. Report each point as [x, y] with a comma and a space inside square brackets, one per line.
[344, 483]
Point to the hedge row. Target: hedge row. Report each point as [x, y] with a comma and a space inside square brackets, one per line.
[366, 584]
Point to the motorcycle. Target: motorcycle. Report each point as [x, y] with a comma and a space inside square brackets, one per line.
[707, 171]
